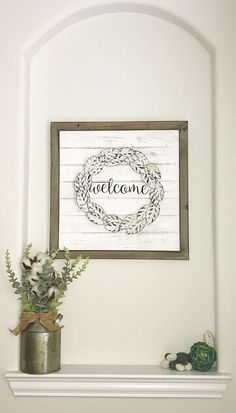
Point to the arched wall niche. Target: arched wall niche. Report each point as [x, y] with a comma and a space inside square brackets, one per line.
[70, 17]
[125, 62]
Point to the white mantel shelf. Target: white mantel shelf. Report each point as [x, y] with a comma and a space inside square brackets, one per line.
[119, 381]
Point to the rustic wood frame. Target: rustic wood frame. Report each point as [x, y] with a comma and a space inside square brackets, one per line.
[182, 126]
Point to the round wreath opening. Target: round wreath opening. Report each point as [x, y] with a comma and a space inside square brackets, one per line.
[150, 175]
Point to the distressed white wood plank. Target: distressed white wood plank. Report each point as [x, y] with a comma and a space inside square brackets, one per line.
[105, 139]
[81, 224]
[69, 172]
[168, 207]
[160, 148]
[69, 206]
[120, 172]
[119, 241]
[75, 156]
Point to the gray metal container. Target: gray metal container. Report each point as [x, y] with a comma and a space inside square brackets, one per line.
[40, 350]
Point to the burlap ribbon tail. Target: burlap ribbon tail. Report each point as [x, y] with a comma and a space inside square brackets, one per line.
[45, 319]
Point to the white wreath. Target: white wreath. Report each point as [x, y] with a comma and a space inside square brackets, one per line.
[150, 174]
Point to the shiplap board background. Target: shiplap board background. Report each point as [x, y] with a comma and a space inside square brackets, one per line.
[77, 232]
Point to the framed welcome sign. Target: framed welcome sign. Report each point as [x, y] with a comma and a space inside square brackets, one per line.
[120, 189]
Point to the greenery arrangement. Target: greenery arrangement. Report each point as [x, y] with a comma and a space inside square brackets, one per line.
[42, 288]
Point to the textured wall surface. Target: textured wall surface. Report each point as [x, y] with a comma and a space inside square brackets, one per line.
[141, 61]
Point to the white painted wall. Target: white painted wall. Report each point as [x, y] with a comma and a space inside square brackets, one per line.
[116, 67]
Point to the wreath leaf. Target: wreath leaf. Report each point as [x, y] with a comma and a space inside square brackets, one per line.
[112, 223]
[141, 158]
[148, 178]
[152, 213]
[86, 180]
[82, 195]
[95, 218]
[96, 210]
[98, 166]
[153, 170]
[135, 227]
[157, 194]
[77, 182]
[141, 215]
[127, 221]
[140, 169]
[90, 163]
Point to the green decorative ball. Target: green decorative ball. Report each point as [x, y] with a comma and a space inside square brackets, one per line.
[203, 356]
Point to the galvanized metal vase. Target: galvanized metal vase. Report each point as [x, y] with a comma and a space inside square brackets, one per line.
[40, 350]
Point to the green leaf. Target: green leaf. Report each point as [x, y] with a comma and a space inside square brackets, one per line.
[27, 307]
[27, 250]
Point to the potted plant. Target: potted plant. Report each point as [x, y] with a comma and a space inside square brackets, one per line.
[41, 290]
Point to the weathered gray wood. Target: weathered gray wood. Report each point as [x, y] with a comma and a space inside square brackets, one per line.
[54, 189]
[183, 198]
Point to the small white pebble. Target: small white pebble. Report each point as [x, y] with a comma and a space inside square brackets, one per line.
[188, 367]
[180, 367]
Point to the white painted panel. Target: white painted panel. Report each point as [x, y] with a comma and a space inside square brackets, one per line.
[77, 147]
[104, 139]
[121, 67]
[80, 224]
[74, 156]
[68, 172]
[116, 241]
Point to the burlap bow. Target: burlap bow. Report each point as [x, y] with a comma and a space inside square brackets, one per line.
[45, 319]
